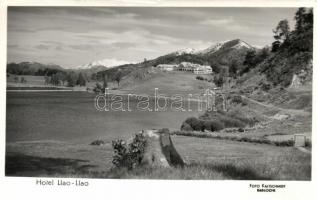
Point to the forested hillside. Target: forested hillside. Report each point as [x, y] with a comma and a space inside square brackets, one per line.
[291, 53]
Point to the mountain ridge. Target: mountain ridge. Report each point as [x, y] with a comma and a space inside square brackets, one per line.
[213, 48]
[107, 63]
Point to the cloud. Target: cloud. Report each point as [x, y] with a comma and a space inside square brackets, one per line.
[59, 47]
[12, 46]
[123, 44]
[217, 22]
[76, 35]
[42, 47]
[82, 47]
[25, 30]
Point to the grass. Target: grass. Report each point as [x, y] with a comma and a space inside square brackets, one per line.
[17, 164]
[278, 169]
[195, 171]
[30, 80]
[205, 159]
[37, 88]
[259, 140]
[168, 83]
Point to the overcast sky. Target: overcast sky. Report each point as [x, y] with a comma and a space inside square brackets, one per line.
[78, 35]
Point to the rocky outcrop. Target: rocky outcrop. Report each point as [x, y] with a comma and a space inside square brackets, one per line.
[303, 77]
[160, 151]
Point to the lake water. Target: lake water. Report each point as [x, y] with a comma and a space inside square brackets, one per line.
[72, 117]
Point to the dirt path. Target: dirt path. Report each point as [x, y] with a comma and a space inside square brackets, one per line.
[291, 112]
[303, 149]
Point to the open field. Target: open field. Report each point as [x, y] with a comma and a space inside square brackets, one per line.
[205, 158]
[30, 80]
[37, 83]
[168, 83]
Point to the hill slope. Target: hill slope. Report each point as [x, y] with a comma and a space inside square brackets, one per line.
[144, 81]
[222, 53]
[285, 76]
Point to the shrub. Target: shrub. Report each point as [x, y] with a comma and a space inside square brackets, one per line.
[200, 87]
[247, 117]
[287, 143]
[186, 127]
[307, 143]
[266, 87]
[194, 123]
[98, 142]
[164, 131]
[231, 122]
[241, 130]
[213, 125]
[98, 88]
[224, 118]
[23, 80]
[237, 99]
[201, 78]
[217, 120]
[129, 156]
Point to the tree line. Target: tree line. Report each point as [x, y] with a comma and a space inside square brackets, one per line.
[69, 79]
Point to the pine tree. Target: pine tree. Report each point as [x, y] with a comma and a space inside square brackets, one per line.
[71, 79]
[118, 76]
[105, 83]
[299, 18]
[281, 35]
[81, 80]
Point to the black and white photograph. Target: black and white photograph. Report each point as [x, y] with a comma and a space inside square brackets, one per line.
[175, 93]
[157, 99]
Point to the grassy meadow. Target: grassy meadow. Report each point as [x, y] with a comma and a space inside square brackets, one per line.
[205, 159]
[168, 83]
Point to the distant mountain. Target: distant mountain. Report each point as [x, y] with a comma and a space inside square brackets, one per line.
[105, 63]
[40, 69]
[226, 53]
[212, 48]
[184, 51]
[236, 44]
[222, 53]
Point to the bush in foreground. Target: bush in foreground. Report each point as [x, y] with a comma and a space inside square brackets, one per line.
[129, 155]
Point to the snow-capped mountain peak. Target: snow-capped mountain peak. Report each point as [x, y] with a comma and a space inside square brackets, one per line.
[227, 44]
[213, 48]
[235, 44]
[242, 44]
[185, 51]
[109, 63]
